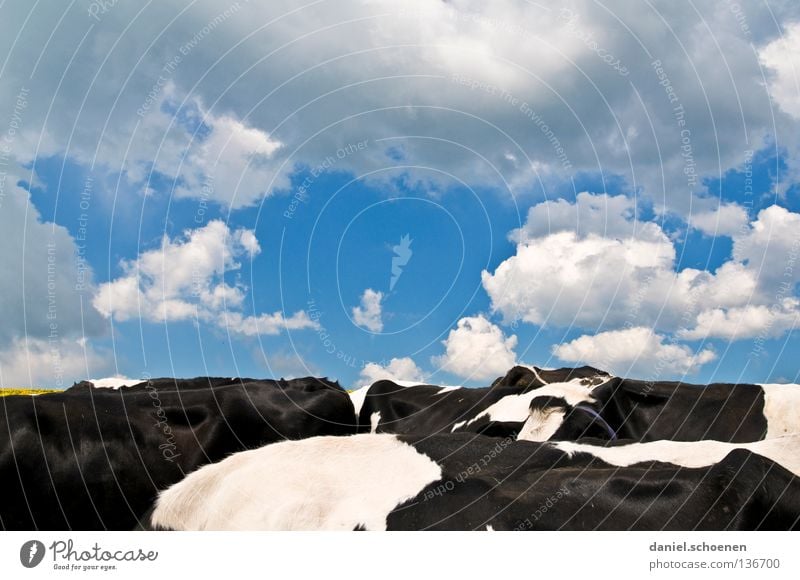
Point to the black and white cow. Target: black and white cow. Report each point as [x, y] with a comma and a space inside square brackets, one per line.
[531, 376]
[168, 383]
[390, 407]
[499, 410]
[650, 411]
[96, 458]
[464, 481]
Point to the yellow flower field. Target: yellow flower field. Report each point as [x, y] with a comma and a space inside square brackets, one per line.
[6, 392]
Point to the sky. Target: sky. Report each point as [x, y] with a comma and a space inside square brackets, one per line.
[429, 191]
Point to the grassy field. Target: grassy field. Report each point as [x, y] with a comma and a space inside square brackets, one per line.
[6, 392]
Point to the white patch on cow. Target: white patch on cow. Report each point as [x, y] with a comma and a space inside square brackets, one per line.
[374, 421]
[357, 397]
[781, 409]
[444, 388]
[321, 483]
[516, 407]
[533, 368]
[113, 382]
[489, 528]
[601, 377]
[406, 384]
[535, 372]
[542, 424]
[457, 425]
[782, 450]
[448, 389]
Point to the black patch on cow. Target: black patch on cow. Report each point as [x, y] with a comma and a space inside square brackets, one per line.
[548, 402]
[532, 486]
[648, 411]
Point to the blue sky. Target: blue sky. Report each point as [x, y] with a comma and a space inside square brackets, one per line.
[226, 191]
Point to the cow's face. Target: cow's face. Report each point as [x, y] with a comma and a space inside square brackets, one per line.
[553, 419]
[545, 418]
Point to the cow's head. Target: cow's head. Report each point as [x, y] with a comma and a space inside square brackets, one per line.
[551, 418]
[533, 377]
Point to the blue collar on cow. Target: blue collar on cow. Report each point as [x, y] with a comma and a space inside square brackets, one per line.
[599, 418]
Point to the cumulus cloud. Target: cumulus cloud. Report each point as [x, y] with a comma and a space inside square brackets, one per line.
[397, 369]
[770, 246]
[477, 349]
[727, 220]
[179, 278]
[45, 282]
[753, 320]
[264, 323]
[633, 351]
[230, 161]
[596, 275]
[213, 157]
[782, 57]
[610, 216]
[526, 86]
[368, 314]
[184, 279]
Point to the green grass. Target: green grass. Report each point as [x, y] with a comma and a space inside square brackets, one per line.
[6, 392]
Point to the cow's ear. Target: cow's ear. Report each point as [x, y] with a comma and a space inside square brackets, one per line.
[519, 377]
[649, 391]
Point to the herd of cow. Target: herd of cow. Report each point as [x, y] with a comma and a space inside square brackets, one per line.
[539, 449]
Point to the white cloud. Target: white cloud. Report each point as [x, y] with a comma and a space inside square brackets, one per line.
[45, 282]
[114, 382]
[264, 323]
[754, 320]
[179, 279]
[601, 214]
[212, 157]
[783, 57]
[563, 279]
[233, 162]
[728, 219]
[225, 160]
[50, 364]
[770, 247]
[368, 314]
[633, 351]
[477, 58]
[477, 349]
[398, 369]
[590, 281]
[184, 279]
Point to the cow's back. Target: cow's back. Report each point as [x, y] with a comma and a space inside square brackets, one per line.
[649, 411]
[96, 458]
